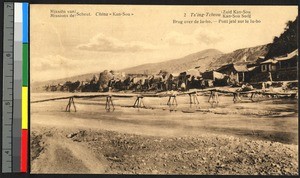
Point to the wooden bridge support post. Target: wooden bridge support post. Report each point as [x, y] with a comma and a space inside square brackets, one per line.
[71, 102]
[139, 103]
[252, 97]
[109, 103]
[194, 100]
[236, 97]
[210, 96]
[171, 100]
[213, 97]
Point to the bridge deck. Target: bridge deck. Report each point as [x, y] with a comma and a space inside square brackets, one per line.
[168, 94]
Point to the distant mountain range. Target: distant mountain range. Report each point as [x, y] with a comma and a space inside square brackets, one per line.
[200, 59]
[206, 59]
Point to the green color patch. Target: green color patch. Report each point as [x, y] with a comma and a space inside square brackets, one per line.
[25, 65]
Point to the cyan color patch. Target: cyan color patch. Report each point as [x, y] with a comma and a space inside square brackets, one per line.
[25, 22]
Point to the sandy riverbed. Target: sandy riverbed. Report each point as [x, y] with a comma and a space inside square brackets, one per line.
[240, 138]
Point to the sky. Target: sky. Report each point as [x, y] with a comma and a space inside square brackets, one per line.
[66, 46]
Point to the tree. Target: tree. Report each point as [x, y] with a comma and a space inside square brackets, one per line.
[286, 42]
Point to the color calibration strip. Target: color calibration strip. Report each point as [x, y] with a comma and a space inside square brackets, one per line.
[20, 108]
[15, 86]
[24, 134]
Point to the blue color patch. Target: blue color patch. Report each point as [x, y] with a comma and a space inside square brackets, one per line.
[25, 22]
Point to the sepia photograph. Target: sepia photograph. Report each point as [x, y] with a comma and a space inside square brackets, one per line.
[162, 89]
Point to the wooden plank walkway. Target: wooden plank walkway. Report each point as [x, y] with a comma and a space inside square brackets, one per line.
[167, 94]
[172, 101]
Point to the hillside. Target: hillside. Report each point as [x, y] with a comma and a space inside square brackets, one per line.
[241, 55]
[207, 59]
[202, 59]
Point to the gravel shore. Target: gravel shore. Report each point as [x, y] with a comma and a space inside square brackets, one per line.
[206, 154]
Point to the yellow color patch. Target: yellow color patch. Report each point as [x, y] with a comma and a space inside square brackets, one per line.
[24, 108]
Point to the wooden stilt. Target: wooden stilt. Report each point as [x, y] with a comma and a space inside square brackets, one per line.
[216, 97]
[68, 107]
[113, 106]
[142, 102]
[109, 103]
[213, 98]
[236, 97]
[193, 99]
[210, 96]
[252, 97]
[139, 102]
[197, 99]
[135, 103]
[169, 101]
[73, 104]
[190, 98]
[172, 100]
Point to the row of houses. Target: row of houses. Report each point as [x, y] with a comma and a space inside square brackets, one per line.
[283, 68]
